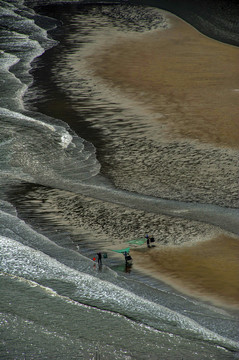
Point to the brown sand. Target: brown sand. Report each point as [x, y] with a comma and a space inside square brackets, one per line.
[192, 80]
[208, 269]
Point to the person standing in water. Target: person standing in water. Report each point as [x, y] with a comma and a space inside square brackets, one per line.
[99, 258]
[147, 238]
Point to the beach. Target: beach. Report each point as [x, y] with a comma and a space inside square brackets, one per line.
[208, 269]
[195, 258]
[168, 131]
[186, 80]
[183, 86]
[109, 132]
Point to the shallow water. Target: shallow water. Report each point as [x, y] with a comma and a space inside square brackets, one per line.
[206, 269]
[55, 302]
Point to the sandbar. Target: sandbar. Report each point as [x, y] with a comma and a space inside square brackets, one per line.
[189, 82]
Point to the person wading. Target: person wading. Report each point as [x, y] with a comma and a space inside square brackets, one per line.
[99, 258]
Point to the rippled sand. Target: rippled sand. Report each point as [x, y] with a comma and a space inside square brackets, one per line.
[190, 84]
[188, 81]
[163, 134]
[182, 91]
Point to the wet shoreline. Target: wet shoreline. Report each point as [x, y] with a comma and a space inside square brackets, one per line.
[208, 269]
[80, 128]
[194, 258]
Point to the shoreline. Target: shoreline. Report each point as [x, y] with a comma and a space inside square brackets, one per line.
[196, 259]
[102, 235]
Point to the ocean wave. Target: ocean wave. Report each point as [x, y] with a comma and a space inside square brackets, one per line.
[25, 137]
[23, 261]
[46, 153]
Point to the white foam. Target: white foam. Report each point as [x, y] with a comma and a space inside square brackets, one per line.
[66, 139]
[7, 60]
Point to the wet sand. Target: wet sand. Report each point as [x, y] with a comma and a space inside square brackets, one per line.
[195, 258]
[138, 141]
[207, 269]
[157, 71]
[188, 82]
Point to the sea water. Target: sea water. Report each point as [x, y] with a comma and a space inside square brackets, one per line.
[54, 303]
[54, 293]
